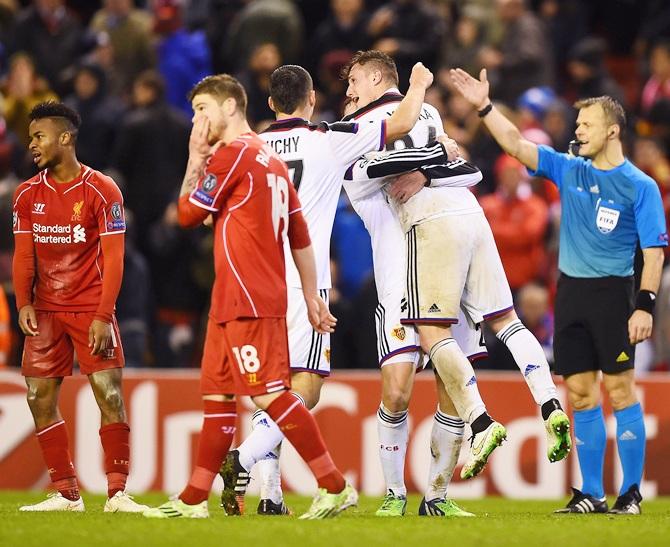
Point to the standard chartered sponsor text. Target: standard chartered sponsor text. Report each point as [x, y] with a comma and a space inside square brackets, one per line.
[45, 233]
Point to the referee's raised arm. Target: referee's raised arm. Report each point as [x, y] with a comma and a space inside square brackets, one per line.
[608, 207]
[506, 134]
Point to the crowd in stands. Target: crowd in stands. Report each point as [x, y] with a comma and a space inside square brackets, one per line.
[126, 66]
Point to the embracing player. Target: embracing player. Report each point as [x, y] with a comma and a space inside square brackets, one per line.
[68, 264]
[434, 291]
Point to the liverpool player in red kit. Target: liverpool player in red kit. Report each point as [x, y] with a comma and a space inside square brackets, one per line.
[67, 270]
[239, 180]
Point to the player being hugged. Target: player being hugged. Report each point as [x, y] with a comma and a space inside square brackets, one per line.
[69, 230]
[240, 181]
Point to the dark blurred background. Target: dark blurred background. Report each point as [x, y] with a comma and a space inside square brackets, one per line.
[127, 67]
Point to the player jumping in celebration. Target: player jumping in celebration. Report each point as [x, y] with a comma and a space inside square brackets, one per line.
[608, 206]
[446, 269]
[317, 156]
[68, 264]
[238, 179]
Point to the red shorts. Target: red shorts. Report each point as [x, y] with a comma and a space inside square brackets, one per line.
[245, 357]
[61, 335]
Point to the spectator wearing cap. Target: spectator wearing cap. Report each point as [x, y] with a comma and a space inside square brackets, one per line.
[532, 105]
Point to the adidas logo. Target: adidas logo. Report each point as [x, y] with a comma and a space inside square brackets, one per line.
[264, 422]
[434, 309]
[622, 357]
[472, 381]
[628, 435]
[529, 369]
[578, 441]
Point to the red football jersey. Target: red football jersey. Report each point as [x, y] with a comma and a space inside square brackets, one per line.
[246, 188]
[67, 221]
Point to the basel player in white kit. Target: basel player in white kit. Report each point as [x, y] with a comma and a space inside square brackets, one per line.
[317, 156]
[451, 263]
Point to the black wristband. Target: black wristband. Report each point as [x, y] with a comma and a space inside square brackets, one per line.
[484, 111]
[645, 301]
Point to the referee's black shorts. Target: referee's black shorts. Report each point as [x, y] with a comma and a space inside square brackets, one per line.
[591, 325]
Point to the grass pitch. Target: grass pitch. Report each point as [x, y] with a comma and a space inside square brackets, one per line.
[500, 522]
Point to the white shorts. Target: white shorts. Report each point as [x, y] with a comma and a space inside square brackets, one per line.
[308, 350]
[453, 262]
[397, 343]
[469, 337]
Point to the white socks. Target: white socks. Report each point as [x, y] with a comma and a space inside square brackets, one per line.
[393, 434]
[530, 359]
[458, 377]
[270, 476]
[264, 438]
[263, 447]
[446, 438]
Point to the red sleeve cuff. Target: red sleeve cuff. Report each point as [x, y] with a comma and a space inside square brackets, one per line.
[190, 215]
[104, 317]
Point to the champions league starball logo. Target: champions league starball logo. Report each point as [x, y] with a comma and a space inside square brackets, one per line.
[209, 183]
[116, 211]
[117, 222]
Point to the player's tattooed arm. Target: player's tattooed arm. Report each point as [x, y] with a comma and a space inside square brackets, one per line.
[194, 171]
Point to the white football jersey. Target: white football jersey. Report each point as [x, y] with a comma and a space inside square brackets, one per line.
[317, 156]
[430, 202]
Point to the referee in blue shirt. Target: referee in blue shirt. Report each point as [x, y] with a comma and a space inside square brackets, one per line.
[607, 205]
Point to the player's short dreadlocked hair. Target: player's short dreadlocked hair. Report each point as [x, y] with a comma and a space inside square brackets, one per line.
[221, 87]
[376, 60]
[53, 109]
[614, 112]
[289, 88]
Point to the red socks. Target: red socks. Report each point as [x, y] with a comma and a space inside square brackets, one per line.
[218, 429]
[55, 450]
[116, 445]
[299, 427]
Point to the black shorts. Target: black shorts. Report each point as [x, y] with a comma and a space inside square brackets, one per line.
[591, 325]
